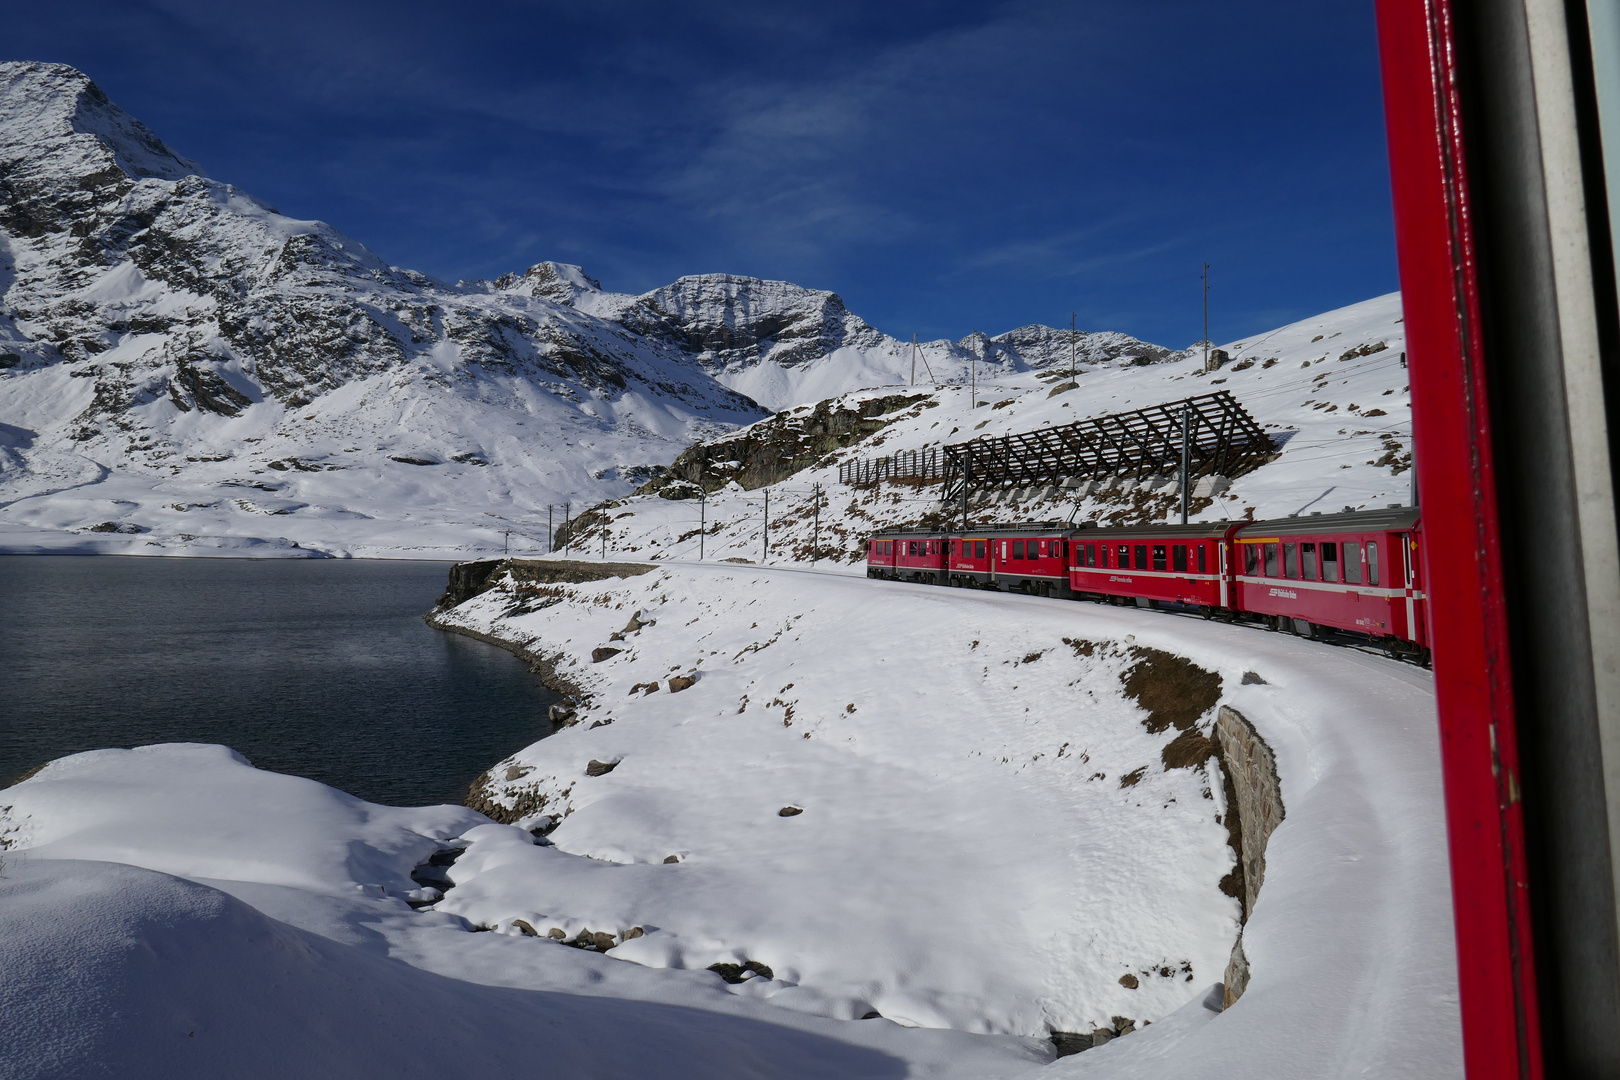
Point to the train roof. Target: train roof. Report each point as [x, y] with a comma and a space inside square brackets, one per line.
[999, 530]
[1389, 519]
[1195, 530]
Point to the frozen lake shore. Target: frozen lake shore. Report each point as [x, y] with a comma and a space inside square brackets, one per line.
[940, 808]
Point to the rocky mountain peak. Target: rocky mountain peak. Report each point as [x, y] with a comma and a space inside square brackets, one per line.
[732, 321]
[561, 283]
[56, 122]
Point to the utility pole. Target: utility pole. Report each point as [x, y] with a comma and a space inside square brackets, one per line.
[567, 508]
[815, 529]
[506, 544]
[765, 543]
[1186, 460]
[973, 379]
[913, 359]
[1206, 316]
[604, 541]
[1073, 368]
[551, 543]
[703, 505]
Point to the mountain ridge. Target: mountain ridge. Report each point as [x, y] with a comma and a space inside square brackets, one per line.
[168, 339]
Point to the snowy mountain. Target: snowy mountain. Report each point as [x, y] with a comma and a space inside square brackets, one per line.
[1332, 390]
[185, 369]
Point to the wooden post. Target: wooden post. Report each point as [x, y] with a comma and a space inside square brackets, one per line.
[815, 529]
[1186, 460]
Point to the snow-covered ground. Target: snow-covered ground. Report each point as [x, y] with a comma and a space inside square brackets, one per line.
[1331, 389]
[988, 842]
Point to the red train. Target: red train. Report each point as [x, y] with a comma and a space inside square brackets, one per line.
[1356, 573]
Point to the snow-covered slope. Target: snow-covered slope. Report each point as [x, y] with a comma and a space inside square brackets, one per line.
[1332, 390]
[191, 371]
[991, 839]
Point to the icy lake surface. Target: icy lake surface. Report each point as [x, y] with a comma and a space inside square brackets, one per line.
[322, 668]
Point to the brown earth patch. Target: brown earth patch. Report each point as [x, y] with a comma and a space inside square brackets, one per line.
[1174, 690]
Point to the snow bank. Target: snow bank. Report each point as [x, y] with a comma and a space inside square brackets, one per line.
[120, 972]
[981, 839]
[967, 855]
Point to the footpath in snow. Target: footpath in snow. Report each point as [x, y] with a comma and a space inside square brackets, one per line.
[801, 824]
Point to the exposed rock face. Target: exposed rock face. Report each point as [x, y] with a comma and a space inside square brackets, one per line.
[1045, 347]
[775, 449]
[728, 321]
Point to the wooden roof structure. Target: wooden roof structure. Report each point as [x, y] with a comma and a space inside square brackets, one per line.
[1222, 438]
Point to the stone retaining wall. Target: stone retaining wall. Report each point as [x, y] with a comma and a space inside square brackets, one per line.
[1254, 809]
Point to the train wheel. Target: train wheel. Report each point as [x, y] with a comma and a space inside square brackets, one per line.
[1206, 611]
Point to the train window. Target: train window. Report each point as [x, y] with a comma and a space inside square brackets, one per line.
[1271, 561]
[1158, 556]
[1352, 563]
[1307, 561]
[1018, 549]
[1141, 557]
[1178, 558]
[978, 549]
[1291, 560]
[1330, 561]
[1091, 554]
[1251, 559]
[1372, 563]
[1124, 559]
[1202, 563]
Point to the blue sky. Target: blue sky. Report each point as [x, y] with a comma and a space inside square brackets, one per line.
[943, 166]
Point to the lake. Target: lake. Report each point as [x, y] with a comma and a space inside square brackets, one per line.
[322, 668]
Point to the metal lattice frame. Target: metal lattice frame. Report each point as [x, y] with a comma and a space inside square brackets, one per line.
[1223, 439]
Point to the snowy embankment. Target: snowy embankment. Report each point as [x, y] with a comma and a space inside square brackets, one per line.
[988, 841]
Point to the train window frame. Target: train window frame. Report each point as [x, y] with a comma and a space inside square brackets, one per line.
[1372, 562]
[1091, 554]
[1140, 561]
[1123, 561]
[1273, 561]
[1251, 559]
[1018, 549]
[1160, 558]
[1307, 561]
[1330, 560]
[1351, 561]
[1203, 558]
[979, 549]
[1178, 558]
[1291, 561]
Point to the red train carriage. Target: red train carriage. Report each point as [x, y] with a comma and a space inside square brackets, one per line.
[1030, 558]
[906, 555]
[1354, 572]
[1153, 564]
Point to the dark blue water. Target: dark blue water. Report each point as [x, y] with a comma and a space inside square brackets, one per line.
[322, 668]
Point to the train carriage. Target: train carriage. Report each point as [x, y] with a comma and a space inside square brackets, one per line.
[1154, 564]
[1031, 557]
[907, 555]
[1356, 572]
